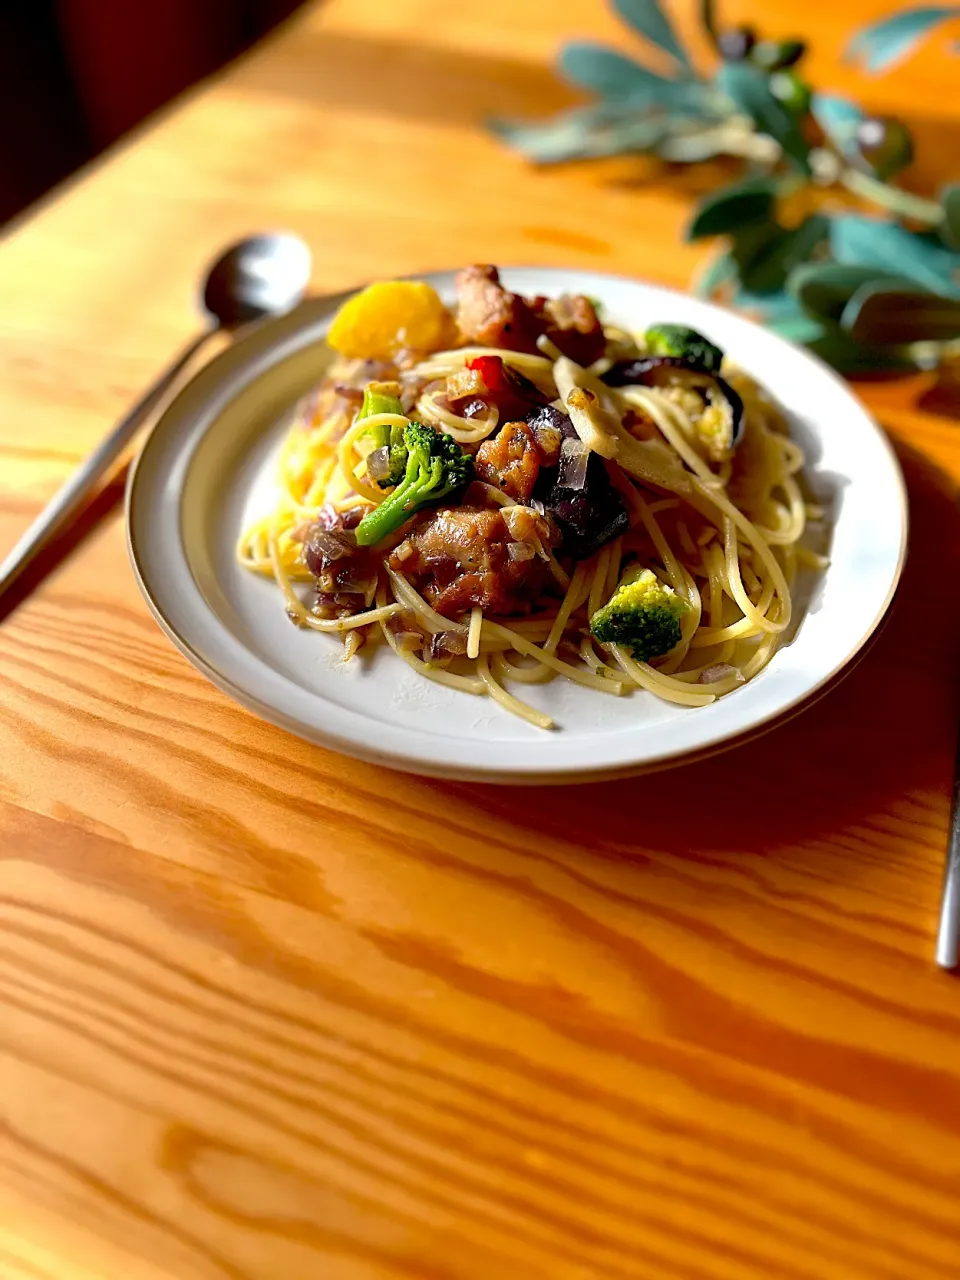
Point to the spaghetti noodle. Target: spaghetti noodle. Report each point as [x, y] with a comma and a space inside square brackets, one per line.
[716, 519]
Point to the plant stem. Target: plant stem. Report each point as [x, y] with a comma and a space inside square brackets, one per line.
[892, 198]
[730, 139]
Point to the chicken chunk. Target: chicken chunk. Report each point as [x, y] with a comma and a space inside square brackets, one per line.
[460, 557]
[491, 316]
[510, 460]
[572, 324]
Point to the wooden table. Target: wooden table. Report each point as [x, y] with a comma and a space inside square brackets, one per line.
[265, 1012]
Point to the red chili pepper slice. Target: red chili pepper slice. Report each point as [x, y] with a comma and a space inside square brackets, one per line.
[490, 369]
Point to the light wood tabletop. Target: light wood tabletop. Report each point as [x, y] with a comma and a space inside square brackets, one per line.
[270, 1014]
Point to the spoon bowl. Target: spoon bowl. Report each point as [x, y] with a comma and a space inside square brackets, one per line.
[263, 275]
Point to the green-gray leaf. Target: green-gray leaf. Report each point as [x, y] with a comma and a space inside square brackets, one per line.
[585, 134]
[881, 315]
[773, 306]
[767, 261]
[860, 241]
[780, 312]
[800, 328]
[732, 208]
[888, 41]
[805, 239]
[647, 17]
[618, 79]
[610, 74]
[748, 89]
[719, 270]
[824, 288]
[950, 201]
[839, 119]
[851, 357]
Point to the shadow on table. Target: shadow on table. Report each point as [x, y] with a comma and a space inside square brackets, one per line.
[404, 78]
[104, 503]
[883, 733]
[444, 83]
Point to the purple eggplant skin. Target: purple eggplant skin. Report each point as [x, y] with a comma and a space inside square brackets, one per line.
[736, 408]
[642, 373]
[636, 373]
[590, 517]
[522, 387]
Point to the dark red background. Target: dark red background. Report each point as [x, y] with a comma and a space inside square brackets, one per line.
[75, 75]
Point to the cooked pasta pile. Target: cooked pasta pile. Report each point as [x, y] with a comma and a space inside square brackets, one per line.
[708, 501]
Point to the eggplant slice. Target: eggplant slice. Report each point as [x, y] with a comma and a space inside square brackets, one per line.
[643, 372]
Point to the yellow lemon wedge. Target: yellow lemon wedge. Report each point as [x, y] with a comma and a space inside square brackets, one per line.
[384, 318]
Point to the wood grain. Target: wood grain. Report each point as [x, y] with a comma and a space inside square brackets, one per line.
[270, 1014]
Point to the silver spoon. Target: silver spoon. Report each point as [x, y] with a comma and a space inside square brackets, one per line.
[948, 932]
[263, 276]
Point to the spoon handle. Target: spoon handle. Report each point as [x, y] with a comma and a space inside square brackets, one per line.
[70, 498]
[948, 933]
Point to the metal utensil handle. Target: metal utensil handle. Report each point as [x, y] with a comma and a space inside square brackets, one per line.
[948, 933]
[71, 496]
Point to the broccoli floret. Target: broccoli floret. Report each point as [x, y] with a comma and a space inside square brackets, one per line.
[642, 614]
[436, 466]
[379, 397]
[684, 344]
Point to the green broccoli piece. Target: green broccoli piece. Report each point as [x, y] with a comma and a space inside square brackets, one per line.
[378, 397]
[436, 466]
[642, 614]
[685, 344]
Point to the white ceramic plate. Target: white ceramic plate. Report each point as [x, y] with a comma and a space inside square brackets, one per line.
[207, 469]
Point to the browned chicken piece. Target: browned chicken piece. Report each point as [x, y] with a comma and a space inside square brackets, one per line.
[574, 326]
[461, 557]
[491, 316]
[510, 460]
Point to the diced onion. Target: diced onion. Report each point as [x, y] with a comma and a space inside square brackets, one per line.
[524, 525]
[445, 644]
[378, 463]
[521, 550]
[407, 641]
[326, 546]
[347, 583]
[574, 456]
[719, 671]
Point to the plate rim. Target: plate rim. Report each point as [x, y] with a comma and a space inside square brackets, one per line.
[271, 335]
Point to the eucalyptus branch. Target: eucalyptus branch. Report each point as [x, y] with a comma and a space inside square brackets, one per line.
[867, 288]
